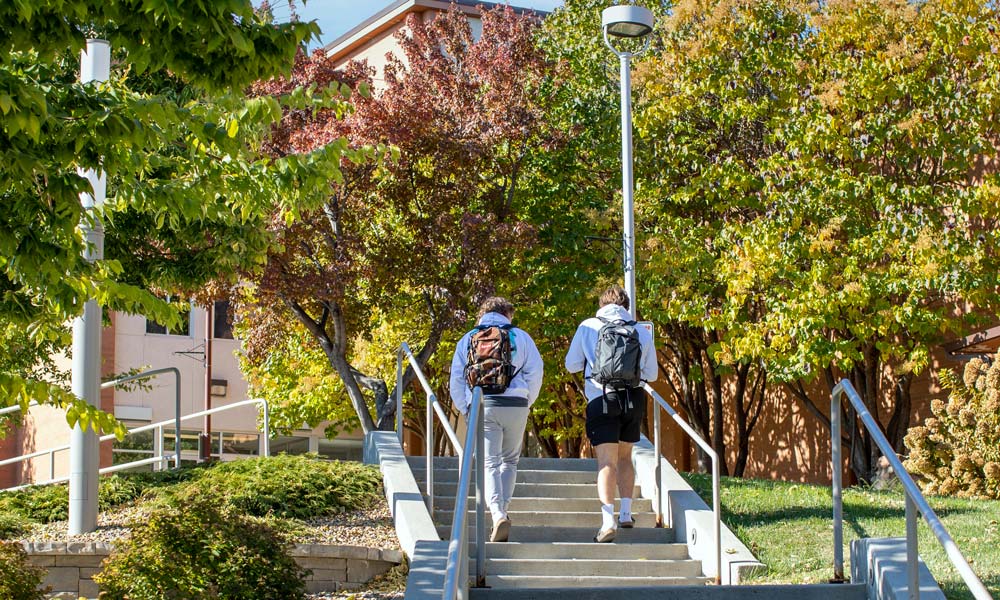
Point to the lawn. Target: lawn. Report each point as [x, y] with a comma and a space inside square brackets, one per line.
[789, 527]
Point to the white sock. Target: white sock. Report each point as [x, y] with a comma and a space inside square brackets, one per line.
[608, 517]
[626, 511]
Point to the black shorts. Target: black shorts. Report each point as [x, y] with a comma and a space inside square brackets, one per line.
[623, 420]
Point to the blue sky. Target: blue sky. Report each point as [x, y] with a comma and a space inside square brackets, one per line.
[335, 17]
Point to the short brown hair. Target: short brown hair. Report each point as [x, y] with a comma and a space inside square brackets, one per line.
[614, 295]
[498, 305]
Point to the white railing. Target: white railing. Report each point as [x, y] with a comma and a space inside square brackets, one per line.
[456, 569]
[265, 445]
[433, 409]
[915, 502]
[716, 510]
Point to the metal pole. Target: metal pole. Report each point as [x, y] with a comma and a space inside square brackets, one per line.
[658, 508]
[205, 449]
[429, 454]
[912, 571]
[838, 505]
[480, 499]
[95, 65]
[399, 396]
[627, 202]
[266, 434]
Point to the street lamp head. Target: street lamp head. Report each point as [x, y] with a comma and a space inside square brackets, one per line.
[627, 21]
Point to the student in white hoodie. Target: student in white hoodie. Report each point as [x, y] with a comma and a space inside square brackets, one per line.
[504, 415]
[614, 422]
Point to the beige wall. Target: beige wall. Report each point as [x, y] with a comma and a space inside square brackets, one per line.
[138, 349]
[375, 50]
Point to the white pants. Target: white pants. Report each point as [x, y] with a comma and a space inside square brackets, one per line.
[503, 428]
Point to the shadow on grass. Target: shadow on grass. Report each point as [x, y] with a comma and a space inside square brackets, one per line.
[955, 588]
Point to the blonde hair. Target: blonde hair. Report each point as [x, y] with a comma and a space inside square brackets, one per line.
[614, 295]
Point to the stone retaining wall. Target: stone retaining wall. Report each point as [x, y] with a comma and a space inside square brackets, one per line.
[72, 565]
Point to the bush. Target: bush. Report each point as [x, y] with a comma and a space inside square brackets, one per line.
[39, 504]
[18, 579]
[201, 550]
[12, 525]
[287, 486]
[956, 452]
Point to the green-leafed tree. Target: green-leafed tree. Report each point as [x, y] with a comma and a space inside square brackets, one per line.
[818, 207]
[177, 140]
[715, 100]
[882, 230]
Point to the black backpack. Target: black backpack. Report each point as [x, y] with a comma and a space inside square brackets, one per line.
[617, 357]
[489, 363]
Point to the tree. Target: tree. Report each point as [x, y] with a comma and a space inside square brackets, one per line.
[713, 98]
[824, 181]
[422, 236]
[186, 188]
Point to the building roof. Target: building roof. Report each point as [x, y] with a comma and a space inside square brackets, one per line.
[396, 12]
[981, 342]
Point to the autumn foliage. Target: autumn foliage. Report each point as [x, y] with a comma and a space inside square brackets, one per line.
[957, 451]
[424, 228]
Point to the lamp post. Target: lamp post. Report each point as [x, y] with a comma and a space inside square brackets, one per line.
[628, 22]
[84, 450]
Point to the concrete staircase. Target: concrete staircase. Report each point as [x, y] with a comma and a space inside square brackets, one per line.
[554, 517]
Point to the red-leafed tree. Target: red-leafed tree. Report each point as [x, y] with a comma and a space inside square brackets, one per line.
[422, 235]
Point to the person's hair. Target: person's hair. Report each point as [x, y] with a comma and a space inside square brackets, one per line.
[498, 305]
[614, 295]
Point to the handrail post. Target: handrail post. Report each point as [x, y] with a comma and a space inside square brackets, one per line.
[158, 448]
[836, 485]
[52, 466]
[177, 419]
[457, 566]
[480, 498]
[717, 509]
[266, 434]
[429, 453]
[399, 396]
[912, 556]
[658, 506]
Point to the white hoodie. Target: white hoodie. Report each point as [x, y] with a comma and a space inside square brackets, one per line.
[527, 383]
[584, 345]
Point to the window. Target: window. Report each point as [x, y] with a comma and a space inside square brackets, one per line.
[223, 327]
[184, 329]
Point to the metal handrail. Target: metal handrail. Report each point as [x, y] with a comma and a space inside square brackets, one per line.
[265, 443]
[915, 501]
[433, 408]
[458, 561]
[716, 509]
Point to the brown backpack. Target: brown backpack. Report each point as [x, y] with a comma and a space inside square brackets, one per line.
[489, 363]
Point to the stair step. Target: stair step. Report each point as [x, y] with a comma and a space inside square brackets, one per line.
[591, 519]
[845, 591]
[525, 462]
[639, 505]
[523, 476]
[531, 490]
[584, 581]
[585, 551]
[572, 567]
[641, 535]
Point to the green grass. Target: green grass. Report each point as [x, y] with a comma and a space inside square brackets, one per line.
[789, 527]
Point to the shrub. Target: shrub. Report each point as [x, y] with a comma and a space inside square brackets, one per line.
[201, 550]
[956, 452]
[39, 504]
[12, 525]
[288, 486]
[18, 579]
